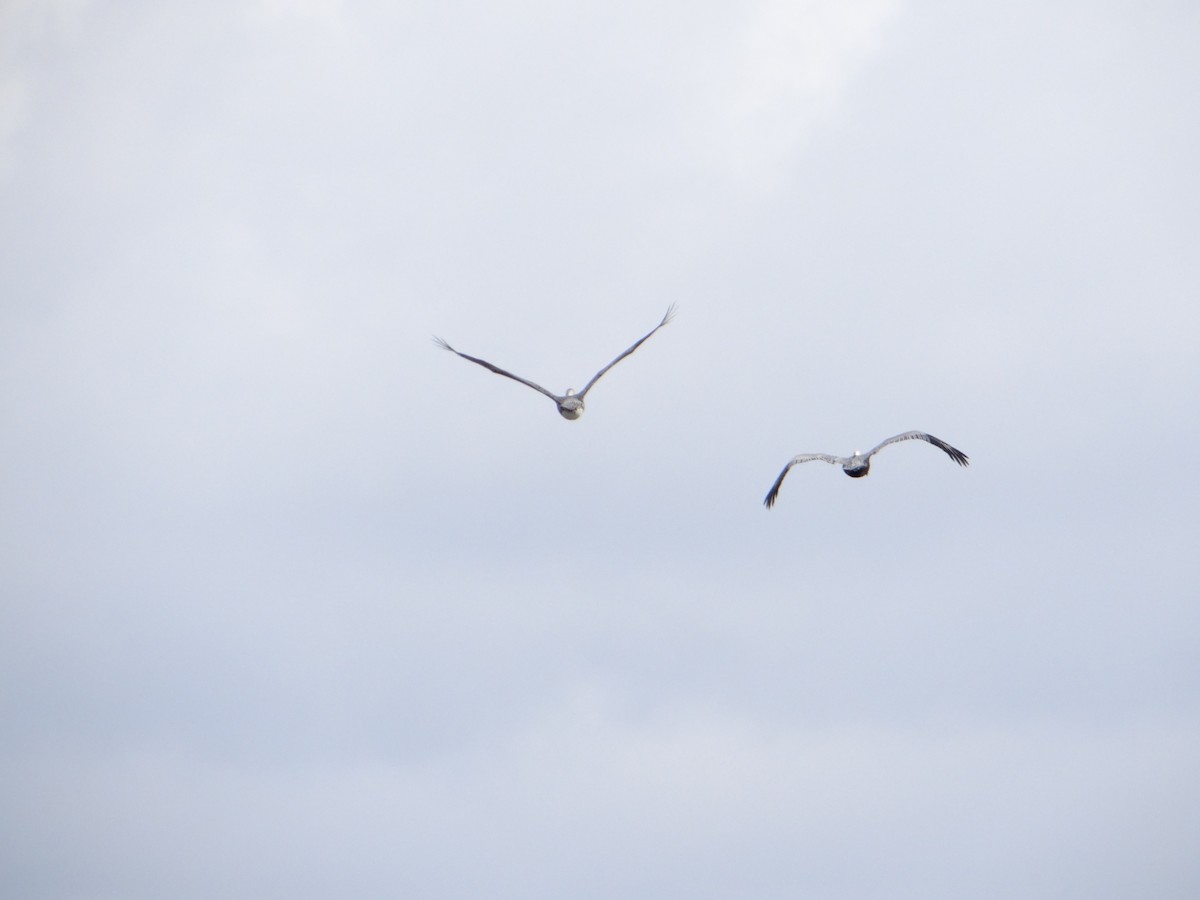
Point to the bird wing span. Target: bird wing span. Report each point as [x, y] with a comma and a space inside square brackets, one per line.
[773, 494]
[665, 319]
[487, 365]
[955, 454]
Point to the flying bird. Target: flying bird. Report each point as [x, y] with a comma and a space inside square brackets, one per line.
[859, 464]
[570, 404]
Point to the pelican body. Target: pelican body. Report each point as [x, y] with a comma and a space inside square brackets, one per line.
[570, 404]
[857, 466]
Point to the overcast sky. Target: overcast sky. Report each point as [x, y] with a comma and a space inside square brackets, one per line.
[297, 605]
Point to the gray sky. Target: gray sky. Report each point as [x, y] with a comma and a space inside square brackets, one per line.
[297, 605]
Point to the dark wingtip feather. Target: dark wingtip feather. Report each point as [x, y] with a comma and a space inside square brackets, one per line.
[773, 493]
[953, 452]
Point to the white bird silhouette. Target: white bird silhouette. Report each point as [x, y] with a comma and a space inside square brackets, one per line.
[859, 464]
[570, 404]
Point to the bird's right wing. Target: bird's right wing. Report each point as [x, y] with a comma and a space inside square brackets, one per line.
[487, 365]
[665, 319]
[953, 452]
[802, 458]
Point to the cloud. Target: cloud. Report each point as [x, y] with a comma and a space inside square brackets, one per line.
[295, 590]
[791, 66]
[588, 802]
[326, 11]
[14, 101]
[26, 26]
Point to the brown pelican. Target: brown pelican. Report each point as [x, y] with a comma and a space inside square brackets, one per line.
[570, 404]
[859, 464]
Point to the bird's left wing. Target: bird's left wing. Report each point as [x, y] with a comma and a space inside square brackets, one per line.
[487, 365]
[773, 493]
[665, 319]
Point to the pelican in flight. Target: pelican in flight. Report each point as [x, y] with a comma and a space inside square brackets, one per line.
[859, 464]
[570, 404]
